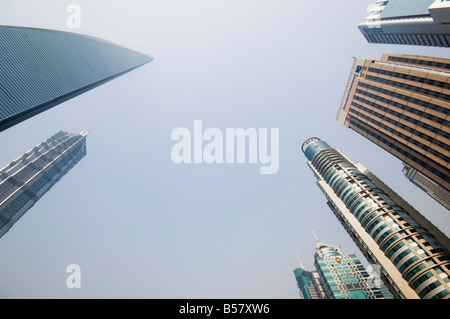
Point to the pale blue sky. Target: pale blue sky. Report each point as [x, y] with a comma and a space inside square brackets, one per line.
[140, 226]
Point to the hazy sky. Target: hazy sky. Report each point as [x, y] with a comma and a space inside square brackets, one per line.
[141, 226]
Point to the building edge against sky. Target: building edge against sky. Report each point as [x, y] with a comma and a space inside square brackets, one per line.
[41, 68]
[25, 180]
[408, 22]
[413, 255]
[402, 104]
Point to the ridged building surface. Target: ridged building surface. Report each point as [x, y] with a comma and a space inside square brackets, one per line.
[42, 68]
[24, 181]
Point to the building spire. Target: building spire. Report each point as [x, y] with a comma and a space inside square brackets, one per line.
[315, 236]
[85, 133]
[301, 265]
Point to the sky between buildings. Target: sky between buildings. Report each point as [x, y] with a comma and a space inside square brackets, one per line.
[141, 226]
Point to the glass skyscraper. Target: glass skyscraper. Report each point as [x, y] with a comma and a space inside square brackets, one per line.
[307, 286]
[413, 255]
[42, 68]
[337, 276]
[412, 22]
[24, 181]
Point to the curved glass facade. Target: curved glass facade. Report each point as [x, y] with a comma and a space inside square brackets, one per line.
[420, 259]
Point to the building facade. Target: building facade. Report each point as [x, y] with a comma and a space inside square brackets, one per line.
[437, 192]
[306, 285]
[413, 255]
[337, 276]
[410, 22]
[402, 104]
[42, 68]
[24, 181]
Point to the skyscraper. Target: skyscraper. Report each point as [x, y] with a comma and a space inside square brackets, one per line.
[42, 68]
[402, 104]
[306, 284]
[24, 181]
[413, 255]
[437, 192]
[412, 22]
[337, 276]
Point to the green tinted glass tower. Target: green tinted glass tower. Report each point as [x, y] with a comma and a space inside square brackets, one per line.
[413, 255]
[306, 285]
[42, 68]
[338, 276]
[343, 276]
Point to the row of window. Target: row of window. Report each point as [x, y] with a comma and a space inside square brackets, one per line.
[425, 148]
[413, 78]
[428, 105]
[396, 122]
[359, 125]
[434, 40]
[434, 64]
[401, 106]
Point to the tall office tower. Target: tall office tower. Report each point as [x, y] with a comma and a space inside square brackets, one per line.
[413, 255]
[306, 284]
[402, 104]
[24, 181]
[42, 68]
[412, 22]
[337, 276]
[437, 192]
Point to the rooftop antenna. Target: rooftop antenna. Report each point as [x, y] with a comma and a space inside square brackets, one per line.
[317, 239]
[301, 265]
